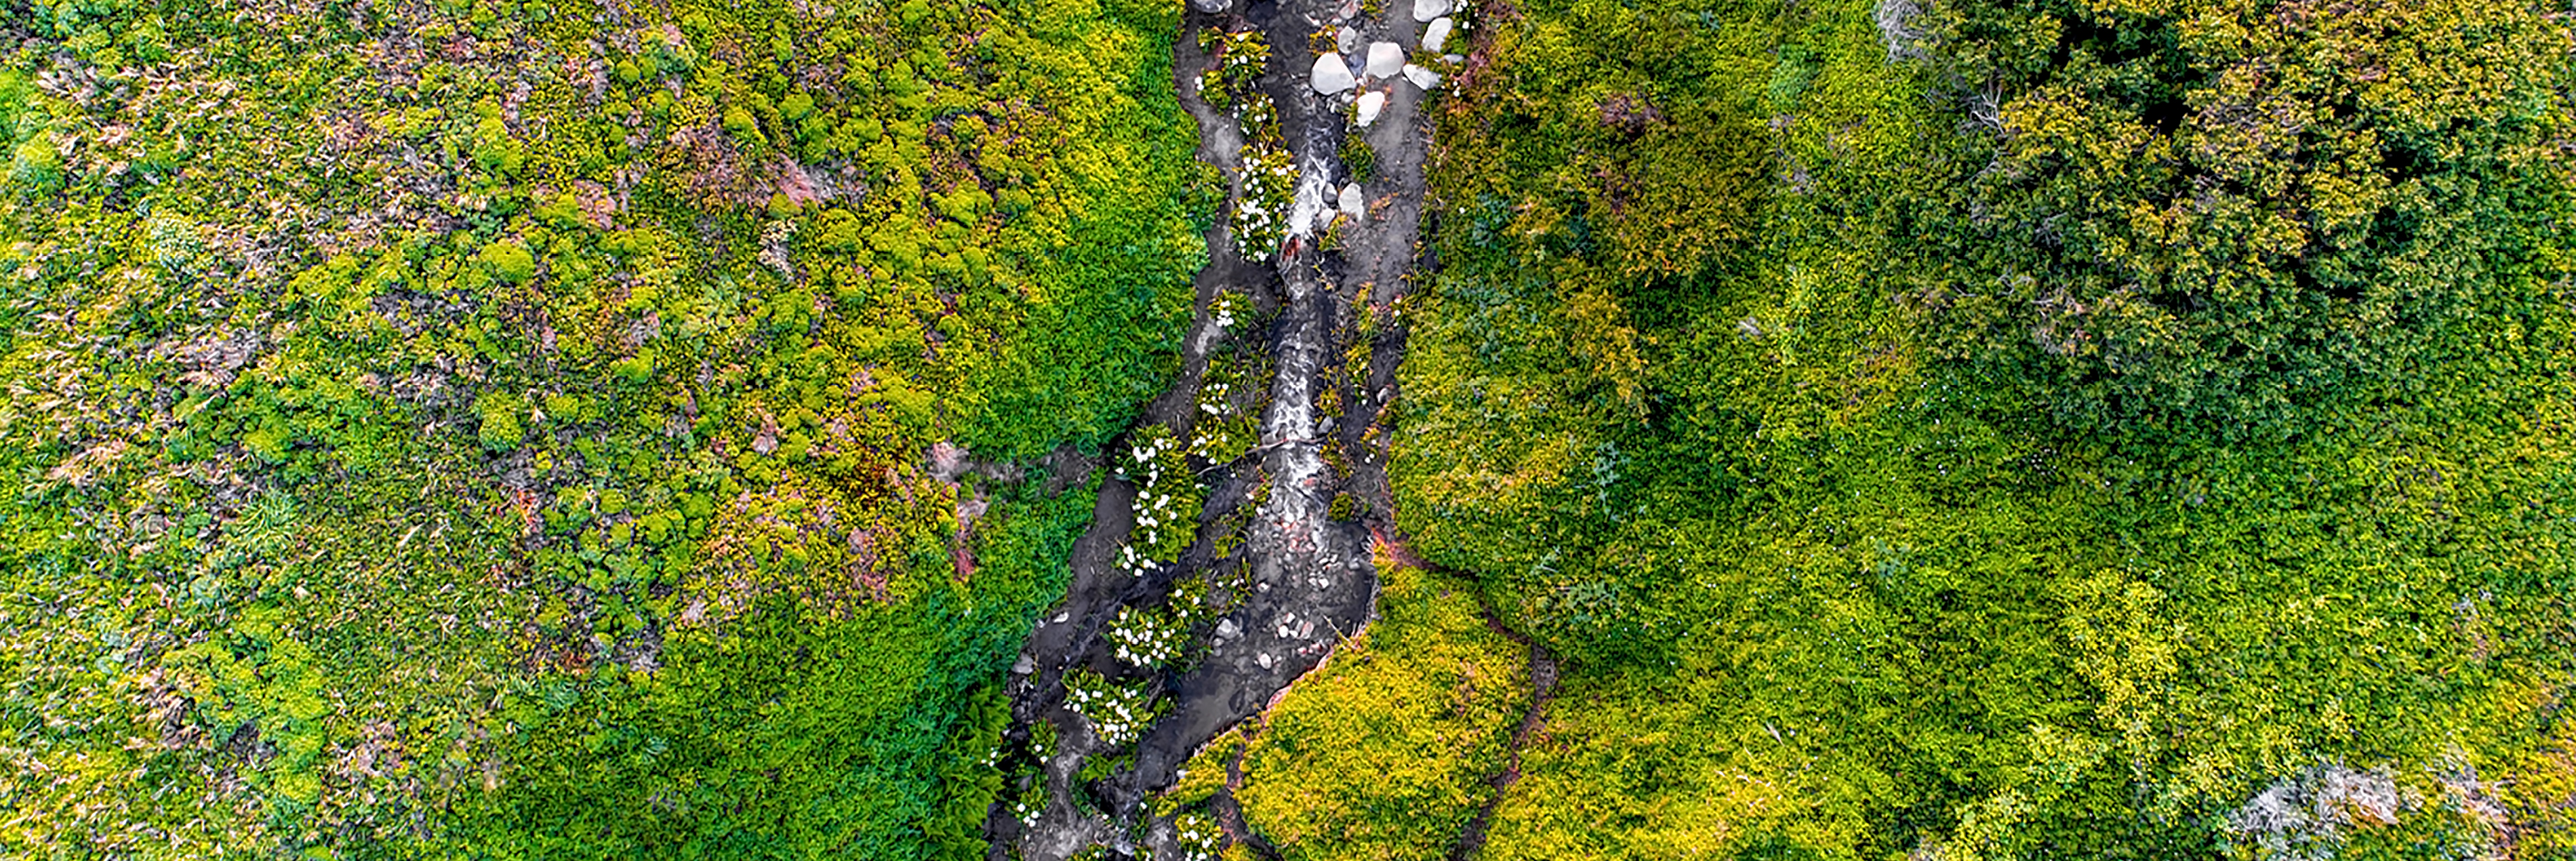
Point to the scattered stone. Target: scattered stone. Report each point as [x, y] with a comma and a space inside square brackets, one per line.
[1421, 77]
[1425, 10]
[1353, 205]
[1437, 34]
[1347, 40]
[1211, 6]
[1225, 629]
[1023, 666]
[1061, 618]
[1263, 659]
[1453, 59]
[1331, 75]
[1385, 59]
[1371, 103]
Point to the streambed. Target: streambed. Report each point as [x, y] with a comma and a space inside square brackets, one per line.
[1282, 541]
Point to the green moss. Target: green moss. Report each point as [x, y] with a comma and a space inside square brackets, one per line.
[1388, 750]
[498, 425]
[495, 149]
[744, 128]
[508, 261]
[36, 164]
[312, 281]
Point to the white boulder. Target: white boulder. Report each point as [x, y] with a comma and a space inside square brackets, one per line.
[1351, 203]
[1331, 75]
[1421, 77]
[1437, 34]
[1371, 103]
[1384, 59]
[1425, 10]
[1347, 40]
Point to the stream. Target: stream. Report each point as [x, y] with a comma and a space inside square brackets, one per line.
[1297, 572]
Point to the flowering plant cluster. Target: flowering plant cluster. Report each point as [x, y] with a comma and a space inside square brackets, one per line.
[1269, 173]
[1197, 835]
[1148, 638]
[1261, 212]
[1118, 712]
[1233, 84]
[1027, 807]
[1167, 500]
[1230, 307]
[1221, 432]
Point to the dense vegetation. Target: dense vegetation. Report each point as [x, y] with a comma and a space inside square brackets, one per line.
[501, 429]
[2153, 444]
[1385, 752]
[1970, 429]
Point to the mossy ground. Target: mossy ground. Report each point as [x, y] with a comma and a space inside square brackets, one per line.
[505, 428]
[1388, 750]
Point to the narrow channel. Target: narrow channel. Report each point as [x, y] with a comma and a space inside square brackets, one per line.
[1281, 542]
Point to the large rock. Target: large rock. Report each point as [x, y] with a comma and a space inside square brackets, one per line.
[1371, 103]
[1425, 10]
[1437, 34]
[1351, 203]
[1385, 59]
[1421, 77]
[1331, 75]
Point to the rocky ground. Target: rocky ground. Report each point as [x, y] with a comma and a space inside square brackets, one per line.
[1297, 573]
